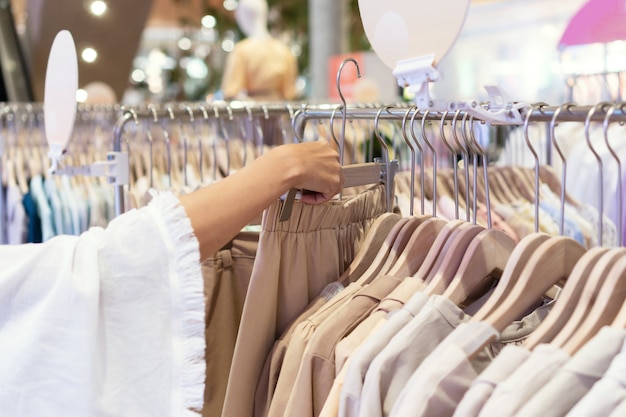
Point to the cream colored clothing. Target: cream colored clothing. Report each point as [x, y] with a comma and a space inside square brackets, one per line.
[439, 383]
[394, 301]
[577, 376]
[294, 263]
[511, 394]
[393, 366]
[273, 368]
[262, 69]
[350, 400]
[317, 368]
[108, 323]
[619, 411]
[606, 394]
[297, 346]
[482, 387]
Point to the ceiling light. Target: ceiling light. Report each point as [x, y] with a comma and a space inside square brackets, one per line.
[89, 55]
[208, 21]
[98, 8]
[230, 5]
[184, 43]
[81, 95]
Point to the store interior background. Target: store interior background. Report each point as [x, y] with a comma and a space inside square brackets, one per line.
[174, 50]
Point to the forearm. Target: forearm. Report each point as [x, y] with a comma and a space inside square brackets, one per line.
[219, 211]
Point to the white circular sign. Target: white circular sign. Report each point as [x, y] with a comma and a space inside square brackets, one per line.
[405, 29]
[59, 104]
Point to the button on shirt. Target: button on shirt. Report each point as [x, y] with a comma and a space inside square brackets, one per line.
[577, 376]
[606, 394]
[350, 400]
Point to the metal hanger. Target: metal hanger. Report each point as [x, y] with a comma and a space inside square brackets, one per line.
[607, 121]
[455, 168]
[434, 152]
[592, 111]
[412, 150]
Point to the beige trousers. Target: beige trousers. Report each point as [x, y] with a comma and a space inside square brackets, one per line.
[296, 259]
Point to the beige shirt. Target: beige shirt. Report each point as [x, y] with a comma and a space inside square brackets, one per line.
[262, 69]
[317, 369]
[350, 400]
[394, 301]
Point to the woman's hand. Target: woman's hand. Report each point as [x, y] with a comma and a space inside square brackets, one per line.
[219, 211]
[314, 168]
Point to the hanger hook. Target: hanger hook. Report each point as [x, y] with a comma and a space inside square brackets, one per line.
[434, 151]
[557, 146]
[338, 81]
[344, 108]
[412, 148]
[465, 155]
[422, 165]
[533, 151]
[455, 168]
[607, 121]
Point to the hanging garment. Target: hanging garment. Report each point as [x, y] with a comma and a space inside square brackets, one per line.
[317, 368]
[577, 376]
[293, 264]
[102, 324]
[606, 394]
[290, 351]
[350, 399]
[437, 386]
[482, 387]
[226, 277]
[510, 394]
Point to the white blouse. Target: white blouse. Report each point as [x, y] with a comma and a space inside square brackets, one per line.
[108, 323]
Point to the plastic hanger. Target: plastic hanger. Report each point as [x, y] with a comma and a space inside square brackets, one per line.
[514, 266]
[550, 264]
[486, 256]
[607, 304]
[378, 261]
[374, 249]
[450, 258]
[572, 303]
[487, 253]
[591, 283]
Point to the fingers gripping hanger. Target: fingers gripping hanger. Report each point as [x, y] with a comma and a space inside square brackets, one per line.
[358, 174]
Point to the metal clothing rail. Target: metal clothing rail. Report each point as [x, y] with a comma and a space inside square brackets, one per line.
[573, 113]
[193, 111]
